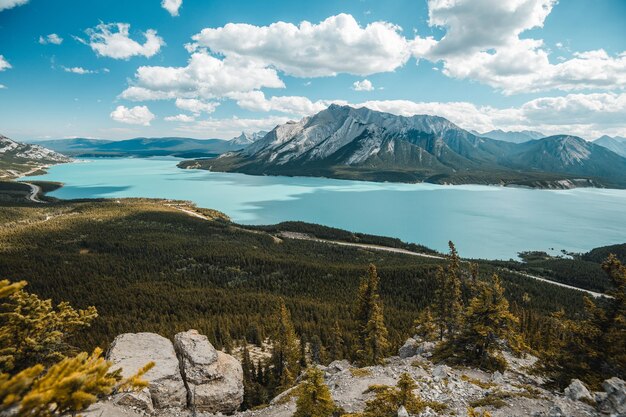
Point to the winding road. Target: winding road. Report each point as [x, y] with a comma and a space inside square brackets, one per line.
[33, 195]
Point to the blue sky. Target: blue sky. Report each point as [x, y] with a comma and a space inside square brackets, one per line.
[213, 68]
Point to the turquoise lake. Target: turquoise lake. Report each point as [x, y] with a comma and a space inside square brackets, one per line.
[484, 222]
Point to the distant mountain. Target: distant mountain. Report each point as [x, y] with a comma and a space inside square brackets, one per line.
[143, 147]
[17, 159]
[351, 143]
[246, 139]
[513, 137]
[616, 144]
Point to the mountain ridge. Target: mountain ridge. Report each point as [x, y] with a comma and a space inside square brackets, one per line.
[18, 159]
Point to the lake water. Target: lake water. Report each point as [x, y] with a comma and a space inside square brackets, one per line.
[484, 222]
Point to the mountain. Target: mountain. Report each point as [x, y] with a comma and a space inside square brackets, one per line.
[514, 137]
[246, 139]
[143, 147]
[615, 144]
[362, 144]
[17, 159]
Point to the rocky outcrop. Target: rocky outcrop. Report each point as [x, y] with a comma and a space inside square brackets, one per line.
[188, 374]
[578, 391]
[614, 402]
[214, 379]
[131, 351]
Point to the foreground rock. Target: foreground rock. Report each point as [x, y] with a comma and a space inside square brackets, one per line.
[214, 379]
[615, 401]
[131, 351]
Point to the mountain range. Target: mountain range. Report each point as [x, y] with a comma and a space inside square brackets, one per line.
[17, 159]
[514, 137]
[616, 144]
[362, 144]
[145, 147]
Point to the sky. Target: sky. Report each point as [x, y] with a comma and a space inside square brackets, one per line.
[211, 69]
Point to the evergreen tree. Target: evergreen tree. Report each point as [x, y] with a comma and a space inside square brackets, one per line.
[336, 345]
[448, 298]
[389, 399]
[488, 328]
[314, 398]
[373, 335]
[425, 327]
[285, 350]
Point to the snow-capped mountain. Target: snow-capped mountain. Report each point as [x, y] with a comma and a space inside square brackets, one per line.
[360, 143]
[18, 158]
[616, 144]
[512, 136]
[246, 139]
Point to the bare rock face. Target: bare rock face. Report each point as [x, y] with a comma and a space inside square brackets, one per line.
[615, 400]
[409, 349]
[577, 391]
[131, 351]
[214, 379]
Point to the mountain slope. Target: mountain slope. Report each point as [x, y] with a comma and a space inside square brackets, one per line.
[617, 144]
[17, 159]
[246, 139]
[345, 142]
[143, 147]
[513, 137]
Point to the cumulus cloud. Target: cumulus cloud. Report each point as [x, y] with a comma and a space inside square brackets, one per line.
[52, 38]
[294, 105]
[9, 4]
[196, 106]
[4, 64]
[112, 40]
[78, 70]
[313, 50]
[172, 6]
[204, 77]
[138, 115]
[364, 85]
[184, 118]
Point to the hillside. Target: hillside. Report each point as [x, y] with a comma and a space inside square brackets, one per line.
[18, 159]
[362, 144]
[616, 144]
[511, 136]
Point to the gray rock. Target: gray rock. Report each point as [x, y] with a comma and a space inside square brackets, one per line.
[338, 366]
[615, 401]
[131, 351]
[555, 411]
[441, 372]
[214, 379]
[409, 349]
[577, 391]
[497, 378]
[402, 412]
[426, 348]
[141, 400]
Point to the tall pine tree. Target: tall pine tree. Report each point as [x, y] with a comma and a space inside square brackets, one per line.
[286, 349]
[448, 306]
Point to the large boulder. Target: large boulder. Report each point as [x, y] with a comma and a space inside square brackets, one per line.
[131, 351]
[615, 400]
[214, 379]
[577, 391]
[408, 349]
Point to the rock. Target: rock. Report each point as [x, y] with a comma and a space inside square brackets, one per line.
[425, 348]
[497, 378]
[402, 412]
[615, 401]
[338, 366]
[409, 349]
[214, 379]
[441, 372]
[131, 351]
[141, 400]
[555, 411]
[577, 391]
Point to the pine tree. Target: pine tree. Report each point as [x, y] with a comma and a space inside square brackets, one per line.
[389, 399]
[314, 398]
[286, 349]
[336, 346]
[488, 328]
[373, 335]
[425, 327]
[448, 299]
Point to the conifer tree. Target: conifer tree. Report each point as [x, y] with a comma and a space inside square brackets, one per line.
[286, 349]
[389, 399]
[314, 398]
[488, 328]
[373, 335]
[448, 300]
[336, 346]
[425, 327]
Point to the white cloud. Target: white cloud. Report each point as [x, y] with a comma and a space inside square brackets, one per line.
[2, 86]
[172, 6]
[78, 70]
[230, 127]
[184, 118]
[9, 4]
[52, 38]
[196, 106]
[294, 105]
[364, 85]
[336, 45]
[4, 64]
[112, 40]
[138, 115]
[204, 76]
